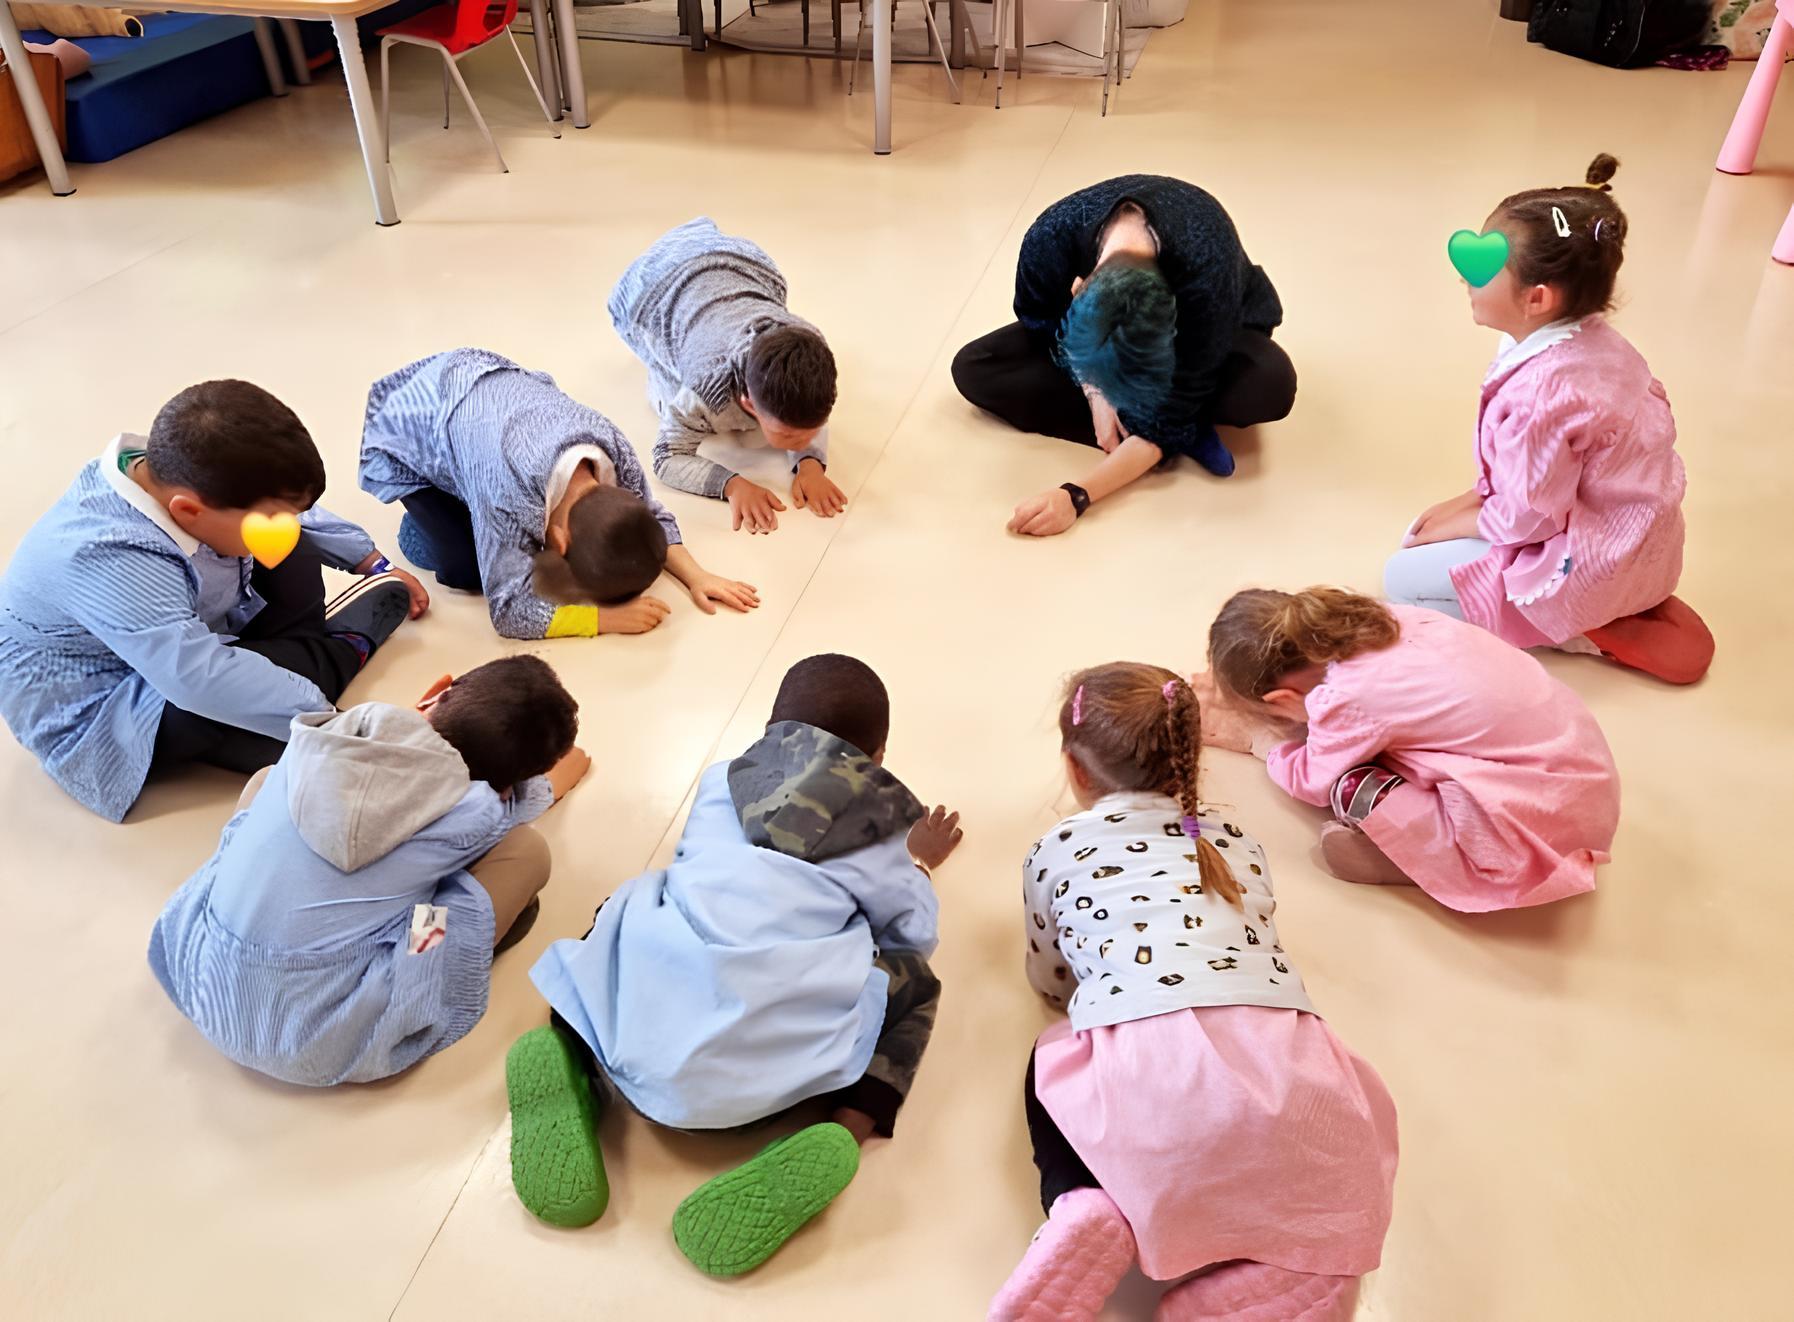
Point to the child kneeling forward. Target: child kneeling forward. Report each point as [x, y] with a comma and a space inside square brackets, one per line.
[782, 957]
[1195, 1112]
[345, 928]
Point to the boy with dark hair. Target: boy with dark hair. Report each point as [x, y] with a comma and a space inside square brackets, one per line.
[135, 629]
[515, 489]
[345, 928]
[726, 358]
[781, 958]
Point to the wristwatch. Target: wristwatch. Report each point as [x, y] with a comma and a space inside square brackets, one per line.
[1080, 498]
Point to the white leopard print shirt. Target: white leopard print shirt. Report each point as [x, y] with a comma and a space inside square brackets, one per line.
[1119, 926]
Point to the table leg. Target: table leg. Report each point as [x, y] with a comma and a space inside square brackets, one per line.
[957, 16]
[264, 42]
[541, 24]
[573, 78]
[367, 126]
[691, 13]
[296, 51]
[881, 77]
[31, 98]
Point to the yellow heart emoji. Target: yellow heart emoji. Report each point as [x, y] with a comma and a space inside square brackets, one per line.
[270, 540]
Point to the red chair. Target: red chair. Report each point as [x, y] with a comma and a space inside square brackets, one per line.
[452, 30]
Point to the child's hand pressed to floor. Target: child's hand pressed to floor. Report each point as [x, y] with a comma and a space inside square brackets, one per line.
[707, 588]
[752, 505]
[1447, 520]
[569, 771]
[638, 616]
[812, 489]
[934, 837]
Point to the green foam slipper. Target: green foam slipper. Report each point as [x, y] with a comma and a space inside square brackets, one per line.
[556, 1165]
[740, 1219]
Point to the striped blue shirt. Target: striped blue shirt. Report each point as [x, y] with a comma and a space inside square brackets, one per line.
[490, 433]
[109, 612]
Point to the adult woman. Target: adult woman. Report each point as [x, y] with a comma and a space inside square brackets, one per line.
[1140, 324]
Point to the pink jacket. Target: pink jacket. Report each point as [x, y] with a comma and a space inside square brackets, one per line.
[1582, 491]
[1512, 797]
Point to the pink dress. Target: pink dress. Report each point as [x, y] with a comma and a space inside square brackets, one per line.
[1229, 1131]
[1582, 493]
[1512, 796]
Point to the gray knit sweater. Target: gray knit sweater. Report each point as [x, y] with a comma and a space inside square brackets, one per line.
[690, 308]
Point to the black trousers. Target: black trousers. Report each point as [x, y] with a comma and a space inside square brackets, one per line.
[447, 529]
[1061, 1168]
[1012, 375]
[290, 632]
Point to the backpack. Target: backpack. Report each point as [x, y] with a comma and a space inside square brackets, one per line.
[1623, 34]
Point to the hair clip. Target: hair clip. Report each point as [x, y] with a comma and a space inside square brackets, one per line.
[1598, 223]
[1077, 706]
[1558, 221]
[1192, 828]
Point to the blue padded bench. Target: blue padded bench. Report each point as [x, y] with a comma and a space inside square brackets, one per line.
[184, 68]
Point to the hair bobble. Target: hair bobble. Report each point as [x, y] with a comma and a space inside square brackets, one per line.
[1077, 706]
[1192, 828]
[1170, 691]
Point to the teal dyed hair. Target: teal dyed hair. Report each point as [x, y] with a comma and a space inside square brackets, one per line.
[1118, 336]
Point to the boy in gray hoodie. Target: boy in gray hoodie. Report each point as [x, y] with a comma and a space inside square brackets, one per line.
[345, 928]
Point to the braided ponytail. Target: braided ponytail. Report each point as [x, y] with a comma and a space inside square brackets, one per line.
[1183, 716]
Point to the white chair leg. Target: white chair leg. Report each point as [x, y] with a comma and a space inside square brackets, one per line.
[1000, 30]
[941, 46]
[474, 110]
[541, 101]
[859, 42]
[1108, 31]
[386, 98]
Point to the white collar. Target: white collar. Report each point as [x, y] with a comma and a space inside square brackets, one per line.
[1514, 352]
[139, 499]
[565, 465]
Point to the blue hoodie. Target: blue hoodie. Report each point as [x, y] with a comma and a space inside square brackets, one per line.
[290, 948]
[740, 980]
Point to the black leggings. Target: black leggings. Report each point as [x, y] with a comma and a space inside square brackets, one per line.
[1061, 1168]
[290, 632]
[447, 529]
[1011, 374]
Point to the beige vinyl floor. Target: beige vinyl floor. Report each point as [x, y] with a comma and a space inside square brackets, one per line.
[1594, 1096]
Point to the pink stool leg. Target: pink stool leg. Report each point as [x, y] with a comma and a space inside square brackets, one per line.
[1739, 154]
[1783, 251]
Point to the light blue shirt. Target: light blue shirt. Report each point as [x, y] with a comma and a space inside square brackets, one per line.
[739, 980]
[109, 612]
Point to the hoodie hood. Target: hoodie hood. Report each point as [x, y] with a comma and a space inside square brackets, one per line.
[360, 783]
[804, 792]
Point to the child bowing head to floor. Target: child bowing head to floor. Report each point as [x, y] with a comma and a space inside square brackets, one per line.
[135, 629]
[1194, 1110]
[1571, 535]
[728, 360]
[781, 957]
[345, 928]
[1449, 758]
[516, 490]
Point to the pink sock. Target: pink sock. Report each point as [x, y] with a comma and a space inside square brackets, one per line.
[1074, 1264]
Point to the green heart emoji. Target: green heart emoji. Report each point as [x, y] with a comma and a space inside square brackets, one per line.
[1477, 257]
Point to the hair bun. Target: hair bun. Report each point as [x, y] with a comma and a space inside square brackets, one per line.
[1600, 170]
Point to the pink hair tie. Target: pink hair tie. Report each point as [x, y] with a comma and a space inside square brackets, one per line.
[1170, 691]
[1077, 706]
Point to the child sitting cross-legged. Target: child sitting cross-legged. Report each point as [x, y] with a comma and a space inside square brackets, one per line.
[345, 928]
[780, 958]
[135, 630]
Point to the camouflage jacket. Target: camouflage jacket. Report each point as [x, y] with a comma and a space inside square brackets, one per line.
[805, 793]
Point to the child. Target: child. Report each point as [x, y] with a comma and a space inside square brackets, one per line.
[345, 928]
[512, 488]
[781, 957]
[1572, 535]
[1195, 1110]
[136, 632]
[706, 312]
[1449, 758]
